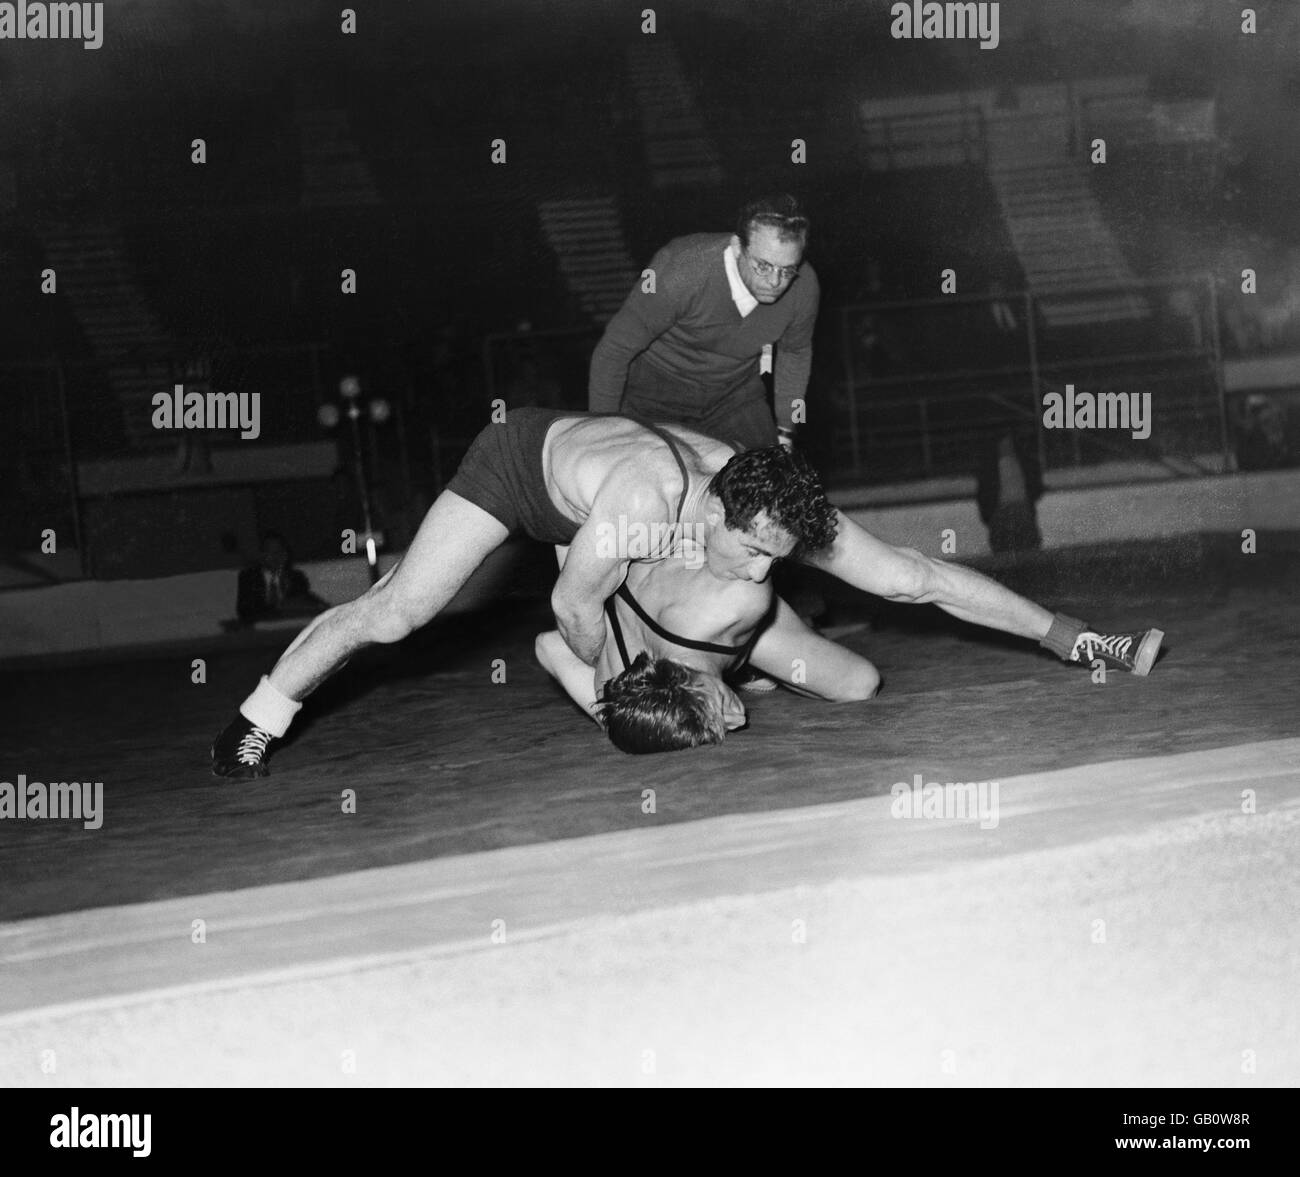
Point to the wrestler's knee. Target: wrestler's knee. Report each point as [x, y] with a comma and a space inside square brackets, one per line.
[387, 615]
[862, 684]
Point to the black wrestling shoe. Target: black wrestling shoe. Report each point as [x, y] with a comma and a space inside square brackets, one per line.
[240, 750]
[1121, 651]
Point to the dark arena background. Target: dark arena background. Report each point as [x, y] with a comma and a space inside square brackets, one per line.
[425, 215]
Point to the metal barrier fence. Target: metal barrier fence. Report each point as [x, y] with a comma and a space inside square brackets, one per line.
[79, 437]
[927, 380]
[921, 386]
[104, 407]
[959, 134]
[923, 383]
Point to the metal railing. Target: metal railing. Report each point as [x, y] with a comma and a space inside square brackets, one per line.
[67, 417]
[959, 134]
[924, 381]
[913, 390]
[924, 377]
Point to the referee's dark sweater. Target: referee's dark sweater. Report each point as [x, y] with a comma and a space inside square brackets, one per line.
[688, 340]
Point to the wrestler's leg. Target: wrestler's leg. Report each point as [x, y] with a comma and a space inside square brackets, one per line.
[811, 664]
[453, 540]
[901, 574]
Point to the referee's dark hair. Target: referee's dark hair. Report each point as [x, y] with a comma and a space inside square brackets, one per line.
[781, 212]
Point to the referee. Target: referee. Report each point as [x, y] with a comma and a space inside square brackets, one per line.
[691, 341]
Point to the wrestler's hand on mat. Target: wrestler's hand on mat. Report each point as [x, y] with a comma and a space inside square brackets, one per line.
[727, 701]
[733, 712]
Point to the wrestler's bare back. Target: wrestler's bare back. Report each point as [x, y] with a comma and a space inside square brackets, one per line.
[586, 456]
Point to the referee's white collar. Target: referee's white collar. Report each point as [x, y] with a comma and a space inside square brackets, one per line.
[745, 302]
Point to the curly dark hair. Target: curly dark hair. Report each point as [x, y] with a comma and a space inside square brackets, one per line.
[782, 484]
[656, 706]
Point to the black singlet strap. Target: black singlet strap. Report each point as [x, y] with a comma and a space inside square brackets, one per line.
[672, 446]
[668, 635]
[662, 436]
[612, 612]
[740, 653]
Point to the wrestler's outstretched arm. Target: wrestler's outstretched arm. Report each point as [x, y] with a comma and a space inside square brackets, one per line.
[812, 665]
[902, 574]
[575, 676]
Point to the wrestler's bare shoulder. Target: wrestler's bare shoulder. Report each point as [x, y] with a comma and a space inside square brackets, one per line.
[588, 455]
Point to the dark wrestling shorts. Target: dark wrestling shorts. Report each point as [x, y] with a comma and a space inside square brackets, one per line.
[502, 474]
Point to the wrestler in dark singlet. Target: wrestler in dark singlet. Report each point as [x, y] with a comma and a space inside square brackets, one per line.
[502, 473]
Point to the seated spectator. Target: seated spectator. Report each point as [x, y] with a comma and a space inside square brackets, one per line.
[273, 587]
[1261, 435]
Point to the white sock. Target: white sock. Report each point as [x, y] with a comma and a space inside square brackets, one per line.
[269, 709]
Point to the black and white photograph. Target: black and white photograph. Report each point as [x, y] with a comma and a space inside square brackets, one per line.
[675, 544]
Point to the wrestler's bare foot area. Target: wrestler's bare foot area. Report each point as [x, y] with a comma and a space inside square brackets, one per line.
[239, 751]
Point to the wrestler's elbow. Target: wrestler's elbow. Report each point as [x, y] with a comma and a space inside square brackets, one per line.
[913, 580]
[603, 400]
[568, 612]
[542, 649]
[607, 378]
[583, 632]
